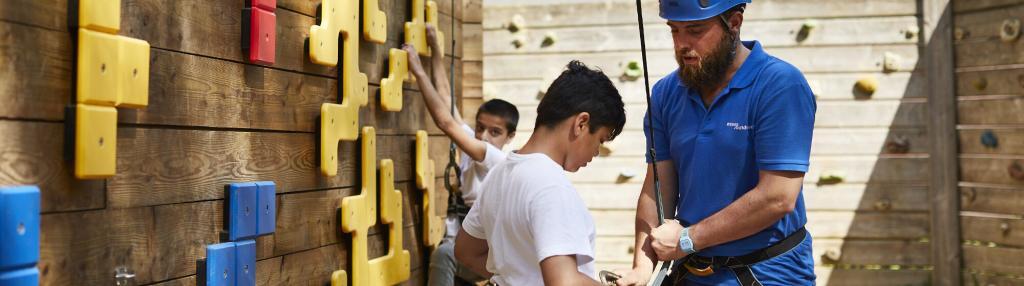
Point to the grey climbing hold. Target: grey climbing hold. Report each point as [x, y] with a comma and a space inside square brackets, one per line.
[890, 62]
[1010, 30]
[898, 145]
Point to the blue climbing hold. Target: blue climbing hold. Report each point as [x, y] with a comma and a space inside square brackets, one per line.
[989, 139]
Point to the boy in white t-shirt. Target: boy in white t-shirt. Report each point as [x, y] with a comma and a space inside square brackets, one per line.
[496, 122]
[529, 226]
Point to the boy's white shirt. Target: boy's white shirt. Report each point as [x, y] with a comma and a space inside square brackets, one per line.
[473, 173]
[530, 211]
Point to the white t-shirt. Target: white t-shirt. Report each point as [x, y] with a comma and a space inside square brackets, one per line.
[530, 211]
[473, 173]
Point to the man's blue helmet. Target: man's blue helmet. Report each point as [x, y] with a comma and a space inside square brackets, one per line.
[695, 10]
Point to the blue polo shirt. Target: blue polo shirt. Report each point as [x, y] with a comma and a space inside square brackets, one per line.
[762, 120]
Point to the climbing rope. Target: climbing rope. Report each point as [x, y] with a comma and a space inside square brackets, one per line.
[663, 270]
[456, 206]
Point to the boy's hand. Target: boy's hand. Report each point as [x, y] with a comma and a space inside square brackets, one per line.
[414, 60]
[631, 277]
[432, 36]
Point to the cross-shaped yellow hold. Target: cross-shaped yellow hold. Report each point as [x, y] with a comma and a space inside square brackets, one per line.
[340, 18]
[375, 22]
[433, 225]
[434, 21]
[359, 212]
[416, 29]
[112, 71]
[393, 267]
[391, 87]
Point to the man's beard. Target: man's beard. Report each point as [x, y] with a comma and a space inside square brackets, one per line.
[708, 71]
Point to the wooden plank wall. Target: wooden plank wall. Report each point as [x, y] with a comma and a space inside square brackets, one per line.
[871, 229]
[990, 99]
[472, 59]
[213, 118]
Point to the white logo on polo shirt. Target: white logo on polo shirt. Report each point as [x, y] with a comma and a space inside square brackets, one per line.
[739, 127]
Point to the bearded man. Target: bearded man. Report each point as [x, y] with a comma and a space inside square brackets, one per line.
[732, 134]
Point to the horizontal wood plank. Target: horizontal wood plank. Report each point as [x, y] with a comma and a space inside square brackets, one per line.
[963, 7]
[855, 59]
[1002, 231]
[31, 153]
[870, 277]
[782, 33]
[989, 169]
[160, 166]
[612, 12]
[992, 200]
[1008, 141]
[981, 45]
[866, 197]
[853, 169]
[993, 259]
[994, 110]
[163, 242]
[827, 87]
[860, 225]
[990, 82]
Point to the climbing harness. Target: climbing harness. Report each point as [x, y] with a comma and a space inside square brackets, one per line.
[665, 267]
[456, 206]
[740, 265]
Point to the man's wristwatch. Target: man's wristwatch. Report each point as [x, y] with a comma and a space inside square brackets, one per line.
[685, 242]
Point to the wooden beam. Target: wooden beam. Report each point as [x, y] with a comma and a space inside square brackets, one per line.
[938, 61]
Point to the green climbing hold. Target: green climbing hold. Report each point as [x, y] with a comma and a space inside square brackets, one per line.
[632, 70]
[549, 39]
[829, 179]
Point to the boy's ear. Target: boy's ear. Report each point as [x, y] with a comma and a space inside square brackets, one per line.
[581, 123]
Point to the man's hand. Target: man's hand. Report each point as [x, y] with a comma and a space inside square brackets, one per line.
[632, 277]
[665, 241]
[415, 65]
[432, 36]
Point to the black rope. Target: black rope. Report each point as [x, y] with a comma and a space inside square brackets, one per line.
[456, 206]
[650, 139]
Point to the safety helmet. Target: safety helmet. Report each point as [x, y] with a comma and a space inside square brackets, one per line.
[695, 10]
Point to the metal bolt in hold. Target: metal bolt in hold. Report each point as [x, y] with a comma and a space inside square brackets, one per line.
[123, 276]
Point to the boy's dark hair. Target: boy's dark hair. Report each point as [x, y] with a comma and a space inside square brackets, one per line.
[581, 89]
[503, 109]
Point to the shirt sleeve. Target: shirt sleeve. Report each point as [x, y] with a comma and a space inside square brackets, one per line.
[559, 228]
[657, 130]
[493, 156]
[784, 126]
[471, 224]
[465, 159]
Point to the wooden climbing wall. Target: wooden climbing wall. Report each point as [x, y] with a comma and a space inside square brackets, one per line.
[213, 118]
[990, 128]
[472, 59]
[871, 227]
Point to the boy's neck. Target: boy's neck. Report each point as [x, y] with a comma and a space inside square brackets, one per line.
[549, 142]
